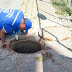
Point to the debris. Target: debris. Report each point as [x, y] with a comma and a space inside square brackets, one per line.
[53, 60]
[47, 48]
[60, 66]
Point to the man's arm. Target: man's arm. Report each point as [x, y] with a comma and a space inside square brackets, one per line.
[2, 33]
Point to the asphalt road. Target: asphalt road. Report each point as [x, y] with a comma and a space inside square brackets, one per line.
[10, 4]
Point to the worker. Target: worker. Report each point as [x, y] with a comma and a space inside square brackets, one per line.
[11, 20]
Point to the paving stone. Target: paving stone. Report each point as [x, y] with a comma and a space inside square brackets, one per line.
[52, 33]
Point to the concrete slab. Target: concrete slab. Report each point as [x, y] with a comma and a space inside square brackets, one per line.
[54, 33]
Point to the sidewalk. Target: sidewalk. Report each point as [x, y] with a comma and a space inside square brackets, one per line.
[42, 14]
[9, 4]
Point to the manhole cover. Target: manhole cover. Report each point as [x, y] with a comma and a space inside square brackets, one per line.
[27, 46]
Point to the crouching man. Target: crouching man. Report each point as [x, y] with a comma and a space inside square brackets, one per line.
[11, 21]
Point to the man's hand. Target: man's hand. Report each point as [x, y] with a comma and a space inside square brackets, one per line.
[23, 32]
[3, 45]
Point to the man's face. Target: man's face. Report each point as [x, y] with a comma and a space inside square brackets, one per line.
[22, 25]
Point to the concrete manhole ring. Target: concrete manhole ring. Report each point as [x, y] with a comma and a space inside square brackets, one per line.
[26, 46]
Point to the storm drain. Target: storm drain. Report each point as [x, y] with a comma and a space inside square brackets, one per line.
[27, 46]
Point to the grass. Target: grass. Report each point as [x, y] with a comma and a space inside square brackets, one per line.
[69, 26]
[41, 58]
[61, 7]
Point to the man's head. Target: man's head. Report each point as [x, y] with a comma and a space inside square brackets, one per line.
[25, 25]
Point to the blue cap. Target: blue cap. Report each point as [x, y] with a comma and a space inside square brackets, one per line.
[28, 25]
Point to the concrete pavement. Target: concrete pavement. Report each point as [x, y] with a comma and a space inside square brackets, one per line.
[9, 4]
[42, 14]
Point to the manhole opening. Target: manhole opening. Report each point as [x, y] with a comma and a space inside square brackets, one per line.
[27, 46]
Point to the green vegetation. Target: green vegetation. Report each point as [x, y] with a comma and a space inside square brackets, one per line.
[61, 7]
[41, 58]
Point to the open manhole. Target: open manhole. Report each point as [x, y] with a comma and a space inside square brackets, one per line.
[27, 46]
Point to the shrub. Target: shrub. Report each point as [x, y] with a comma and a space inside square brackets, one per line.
[61, 7]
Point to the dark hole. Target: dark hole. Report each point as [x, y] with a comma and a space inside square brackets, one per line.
[27, 47]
